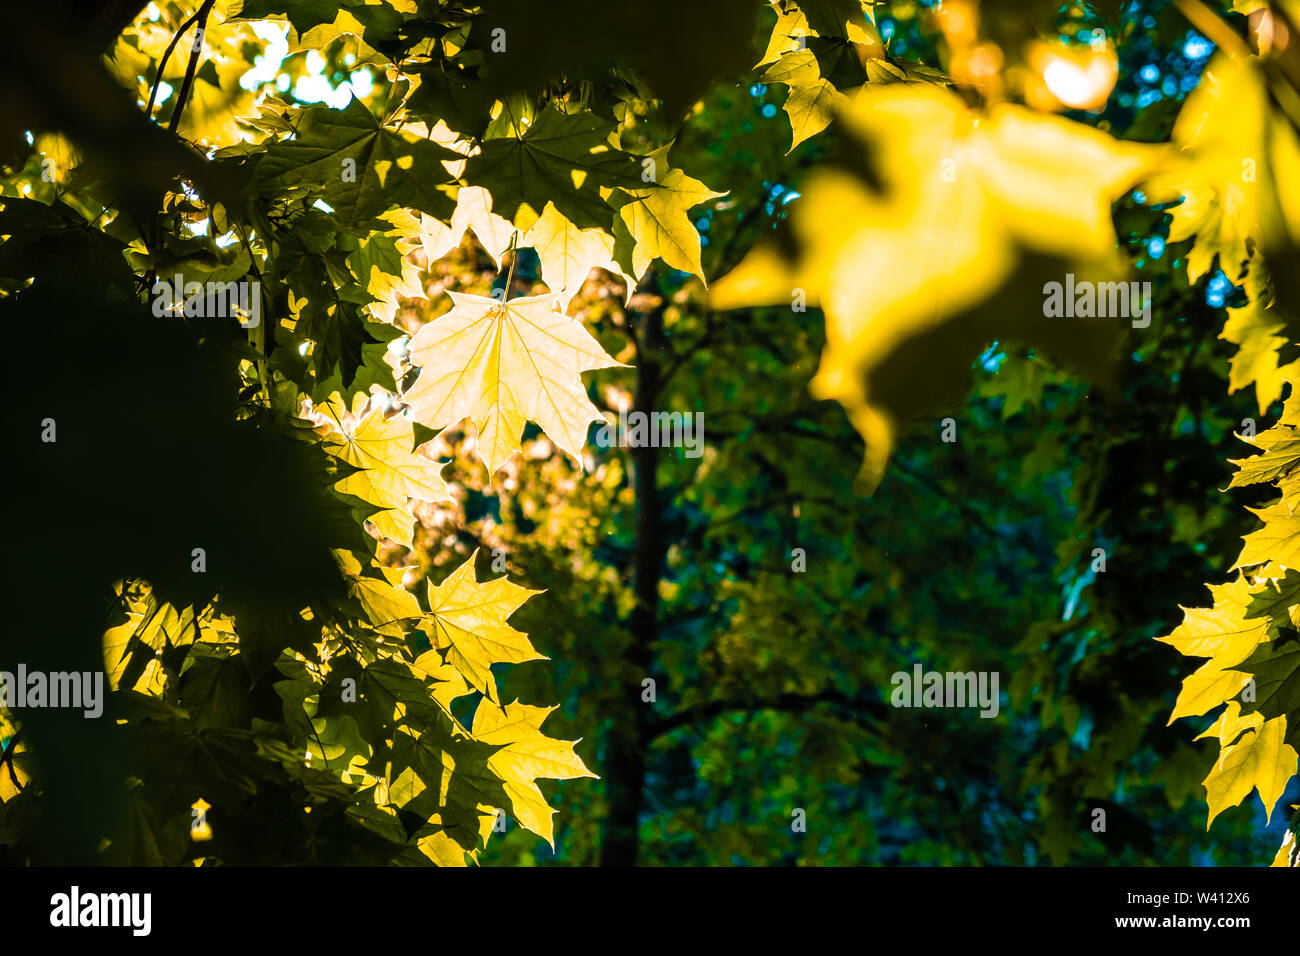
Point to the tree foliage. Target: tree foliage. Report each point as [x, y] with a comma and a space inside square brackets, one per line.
[318, 524]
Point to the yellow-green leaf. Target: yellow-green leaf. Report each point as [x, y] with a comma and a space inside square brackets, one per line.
[964, 201]
[655, 219]
[379, 442]
[467, 618]
[526, 755]
[1259, 761]
[812, 101]
[569, 254]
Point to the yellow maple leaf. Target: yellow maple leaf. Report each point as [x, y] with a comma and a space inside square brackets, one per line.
[569, 254]
[473, 212]
[502, 364]
[1260, 760]
[654, 220]
[1279, 449]
[791, 31]
[525, 755]
[1231, 724]
[1288, 853]
[812, 101]
[467, 618]
[389, 290]
[379, 442]
[1277, 543]
[1220, 133]
[1206, 688]
[442, 849]
[1222, 632]
[117, 641]
[1260, 330]
[13, 778]
[450, 682]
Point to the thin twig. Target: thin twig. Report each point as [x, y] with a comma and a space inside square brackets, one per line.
[183, 97]
[514, 258]
[162, 64]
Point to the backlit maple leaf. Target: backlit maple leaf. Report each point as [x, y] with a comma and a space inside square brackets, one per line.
[502, 364]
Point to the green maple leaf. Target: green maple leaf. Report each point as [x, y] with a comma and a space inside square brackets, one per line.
[363, 168]
[214, 690]
[303, 14]
[556, 157]
[412, 694]
[337, 745]
[459, 100]
[442, 775]
[1020, 382]
[1275, 667]
[375, 262]
[49, 240]
[678, 47]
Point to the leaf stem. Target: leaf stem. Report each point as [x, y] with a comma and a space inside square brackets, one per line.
[514, 258]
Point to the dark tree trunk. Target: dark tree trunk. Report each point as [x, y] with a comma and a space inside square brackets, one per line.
[624, 770]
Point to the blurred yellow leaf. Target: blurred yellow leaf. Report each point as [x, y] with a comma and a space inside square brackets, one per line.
[945, 207]
[1070, 77]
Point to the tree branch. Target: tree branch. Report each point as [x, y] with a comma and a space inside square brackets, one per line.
[864, 709]
[183, 96]
[162, 63]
